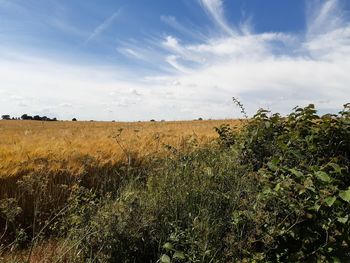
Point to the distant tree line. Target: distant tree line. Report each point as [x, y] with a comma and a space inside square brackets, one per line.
[28, 117]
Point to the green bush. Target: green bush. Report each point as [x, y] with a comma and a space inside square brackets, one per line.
[303, 165]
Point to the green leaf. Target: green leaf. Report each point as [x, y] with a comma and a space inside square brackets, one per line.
[343, 220]
[266, 191]
[336, 260]
[168, 246]
[308, 183]
[345, 195]
[179, 255]
[316, 207]
[335, 167]
[272, 166]
[330, 200]
[277, 187]
[165, 259]
[323, 176]
[296, 172]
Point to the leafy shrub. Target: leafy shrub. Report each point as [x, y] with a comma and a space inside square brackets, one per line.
[303, 165]
[227, 136]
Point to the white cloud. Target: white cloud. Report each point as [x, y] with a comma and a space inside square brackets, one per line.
[274, 70]
[131, 53]
[189, 31]
[173, 61]
[216, 10]
[328, 35]
[323, 16]
[172, 43]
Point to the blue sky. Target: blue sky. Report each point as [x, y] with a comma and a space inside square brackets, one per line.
[167, 59]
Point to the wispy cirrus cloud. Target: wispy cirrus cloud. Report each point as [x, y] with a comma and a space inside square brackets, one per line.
[215, 8]
[324, 16]
[189, 31]
[127, 51]
[328, 32]
[103, 26]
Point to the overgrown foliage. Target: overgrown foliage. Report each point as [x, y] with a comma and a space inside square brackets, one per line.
[181, 212]
[277, 190]
[302, 162]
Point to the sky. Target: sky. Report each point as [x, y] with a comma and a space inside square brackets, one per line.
[132, 60]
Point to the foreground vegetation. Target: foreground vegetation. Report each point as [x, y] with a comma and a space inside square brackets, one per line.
[277, 190]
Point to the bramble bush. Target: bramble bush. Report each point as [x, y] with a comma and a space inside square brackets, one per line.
[302, 162]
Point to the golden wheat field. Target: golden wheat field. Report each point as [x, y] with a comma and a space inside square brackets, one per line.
[27, 146]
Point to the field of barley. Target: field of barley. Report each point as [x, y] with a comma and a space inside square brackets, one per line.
[28, 146]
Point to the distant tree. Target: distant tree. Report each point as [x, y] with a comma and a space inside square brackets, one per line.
[74, 119]
[200, 119]
[152, 120]
[26, 117]
[6, 117]
[37, 118]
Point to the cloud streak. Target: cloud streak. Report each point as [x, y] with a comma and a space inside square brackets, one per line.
[184, 30]
[324, 17]
[103, 26]
[215, 8]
